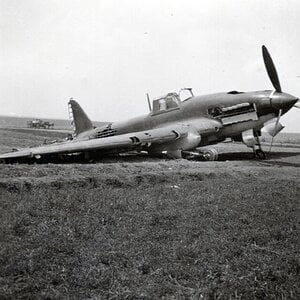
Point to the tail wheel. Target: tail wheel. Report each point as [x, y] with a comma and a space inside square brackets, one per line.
[211, 154]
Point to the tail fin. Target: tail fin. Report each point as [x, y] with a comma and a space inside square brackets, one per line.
[81, 121]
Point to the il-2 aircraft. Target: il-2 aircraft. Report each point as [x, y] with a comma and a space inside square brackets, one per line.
[174, 127]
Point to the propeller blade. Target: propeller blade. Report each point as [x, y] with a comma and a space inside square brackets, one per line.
[279, 115]
[271, 144]
[271, 70]
[277, 122]
[149, 104]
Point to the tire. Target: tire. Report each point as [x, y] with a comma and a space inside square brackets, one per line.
[210, 155]
[259, 154]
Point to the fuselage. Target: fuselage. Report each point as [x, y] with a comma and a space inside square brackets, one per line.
[261, 105]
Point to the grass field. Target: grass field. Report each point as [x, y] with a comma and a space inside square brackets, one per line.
[148, 231]
[141, 228]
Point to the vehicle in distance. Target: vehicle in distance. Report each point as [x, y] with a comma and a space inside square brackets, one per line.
[38, 123]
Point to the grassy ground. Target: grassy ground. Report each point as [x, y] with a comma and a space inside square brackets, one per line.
[141, 228]
[150, 230]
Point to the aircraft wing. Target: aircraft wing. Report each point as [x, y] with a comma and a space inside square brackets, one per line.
[113, 144]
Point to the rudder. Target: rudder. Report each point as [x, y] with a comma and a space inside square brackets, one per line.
[81, 121]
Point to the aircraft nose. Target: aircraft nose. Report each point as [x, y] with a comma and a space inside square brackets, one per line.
[283, 101]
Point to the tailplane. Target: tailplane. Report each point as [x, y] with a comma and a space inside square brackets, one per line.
[81, 121]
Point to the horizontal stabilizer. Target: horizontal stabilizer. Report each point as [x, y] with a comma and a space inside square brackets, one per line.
[81, 121]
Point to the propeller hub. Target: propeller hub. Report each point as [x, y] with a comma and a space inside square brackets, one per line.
[283, 101]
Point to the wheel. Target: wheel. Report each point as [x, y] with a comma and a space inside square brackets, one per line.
[259, 154]
[211, 154]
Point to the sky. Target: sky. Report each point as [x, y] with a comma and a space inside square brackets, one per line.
[108, 54]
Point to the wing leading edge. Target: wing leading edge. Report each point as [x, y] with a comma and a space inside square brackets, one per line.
[158, 138]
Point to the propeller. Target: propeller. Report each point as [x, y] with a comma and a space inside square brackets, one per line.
[276, 129]
[271, 70]
[284, 98]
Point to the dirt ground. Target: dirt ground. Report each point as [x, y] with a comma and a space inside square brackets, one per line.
[144, 228]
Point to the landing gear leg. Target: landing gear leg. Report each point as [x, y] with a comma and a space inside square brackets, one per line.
[258, 153]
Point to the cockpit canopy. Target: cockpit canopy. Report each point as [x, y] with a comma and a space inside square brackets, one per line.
[165, 103]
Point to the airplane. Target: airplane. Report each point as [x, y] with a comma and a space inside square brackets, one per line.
[174, 128]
